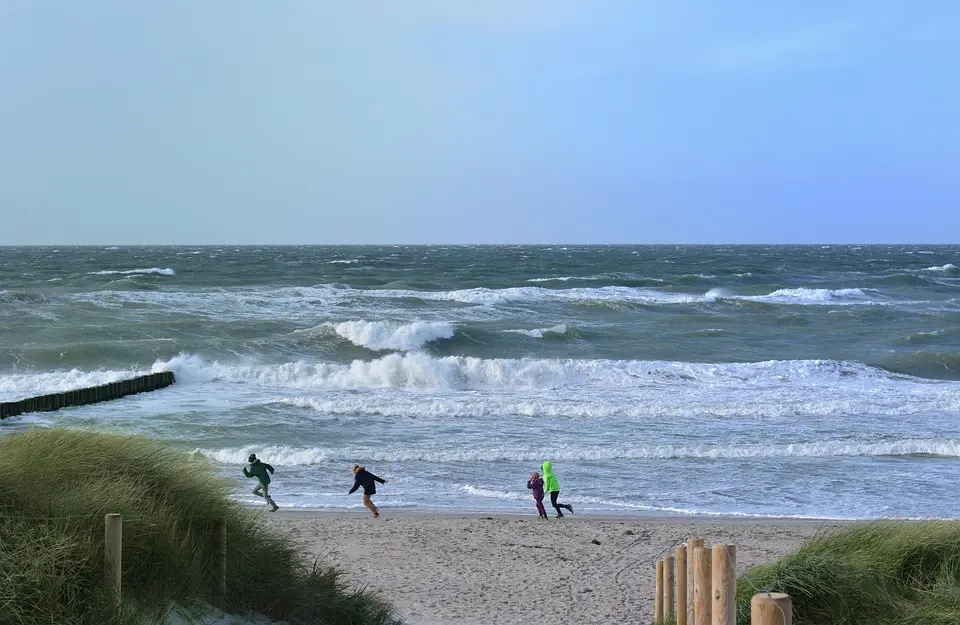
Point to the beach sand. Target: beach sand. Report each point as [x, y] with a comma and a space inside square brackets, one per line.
[440, 569]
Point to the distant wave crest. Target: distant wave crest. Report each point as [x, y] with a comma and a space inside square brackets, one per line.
[130, 272]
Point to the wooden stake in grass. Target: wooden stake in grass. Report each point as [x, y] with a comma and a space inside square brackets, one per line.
[222, 527]
[669, 566]
[658, 597]
[771, 608]
[681, 556]
[702, 587]
[112, 548]
[724, 609]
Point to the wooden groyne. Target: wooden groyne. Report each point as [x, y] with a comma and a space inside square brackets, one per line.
[84, 396]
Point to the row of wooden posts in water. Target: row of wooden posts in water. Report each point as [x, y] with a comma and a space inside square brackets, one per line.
[89, 395]
[701, 584]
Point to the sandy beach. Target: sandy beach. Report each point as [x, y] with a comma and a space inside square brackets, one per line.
[441, 569]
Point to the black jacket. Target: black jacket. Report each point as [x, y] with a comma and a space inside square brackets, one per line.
[366, 479]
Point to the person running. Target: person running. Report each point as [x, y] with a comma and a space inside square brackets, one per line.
[368, 480]
[552, 486]
[261, 471]
[535, 483]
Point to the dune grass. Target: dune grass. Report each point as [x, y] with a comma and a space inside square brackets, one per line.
[878, 573]
[57, 485]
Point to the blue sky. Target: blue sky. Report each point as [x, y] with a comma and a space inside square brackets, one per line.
[428, 121]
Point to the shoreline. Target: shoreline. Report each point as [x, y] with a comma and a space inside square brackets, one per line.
[698, 519]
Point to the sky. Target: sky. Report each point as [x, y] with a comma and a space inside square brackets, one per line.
[492, 121]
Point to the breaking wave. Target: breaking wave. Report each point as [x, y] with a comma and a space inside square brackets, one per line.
[296, 456]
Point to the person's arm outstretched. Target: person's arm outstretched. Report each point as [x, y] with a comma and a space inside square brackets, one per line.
[356, 485]
[245, 472]
[379, 479]
[268, 467]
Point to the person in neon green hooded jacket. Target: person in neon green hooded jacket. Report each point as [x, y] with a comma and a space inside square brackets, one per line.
[552, 486]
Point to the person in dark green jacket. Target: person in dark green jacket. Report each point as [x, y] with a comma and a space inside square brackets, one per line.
[261, 471]
[552, 486]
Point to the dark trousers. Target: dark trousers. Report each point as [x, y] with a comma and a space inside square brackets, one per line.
[557, 506]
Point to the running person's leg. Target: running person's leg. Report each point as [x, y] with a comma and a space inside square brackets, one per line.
[553, 502]
[540, 509]
[269, 500]
[370, 505]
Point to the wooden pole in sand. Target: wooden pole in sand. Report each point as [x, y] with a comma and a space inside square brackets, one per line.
[112, 548]
[669, 566]
[681, 556]
[658, 597]
[724, 566]
[771, 608]
[692, 544]
[702, 587]
[222, 573]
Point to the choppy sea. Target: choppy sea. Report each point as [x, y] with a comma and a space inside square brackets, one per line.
[806, 381]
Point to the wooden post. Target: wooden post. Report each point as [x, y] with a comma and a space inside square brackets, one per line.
[112, 548]
[658, 597]
[681, 555]
[724, 567]
[771, 608]
[692, 544]
[222, 526]
[702, 587]
[669, 566]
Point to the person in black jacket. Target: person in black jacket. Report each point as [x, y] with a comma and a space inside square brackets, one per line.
[362, 477]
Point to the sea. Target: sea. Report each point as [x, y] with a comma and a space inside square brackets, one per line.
[755, 381]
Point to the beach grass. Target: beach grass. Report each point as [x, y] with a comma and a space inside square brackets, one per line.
[55, 488]
[877, 573]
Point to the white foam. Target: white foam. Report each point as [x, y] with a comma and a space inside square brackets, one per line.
[295, 456]
[129, 272]
[20, 385]
[943, 269]
[559, 279]
[812, 296]
[538, 333]
[682, 400]
[418, 370]
[351, 261]
[385, 335]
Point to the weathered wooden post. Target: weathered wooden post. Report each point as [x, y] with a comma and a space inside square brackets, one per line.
[702, 587]
[112, 548]
[658, 597]
[681, 558]
[692, 544]
[669, 567]
[724, 567]
[771, 608]
[222, 527]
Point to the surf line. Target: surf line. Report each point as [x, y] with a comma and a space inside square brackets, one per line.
[89, 395]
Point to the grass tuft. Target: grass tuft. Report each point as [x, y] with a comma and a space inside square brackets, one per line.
[877, 573]
[57, 485]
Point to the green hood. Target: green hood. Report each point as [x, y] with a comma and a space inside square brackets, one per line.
[550, 483]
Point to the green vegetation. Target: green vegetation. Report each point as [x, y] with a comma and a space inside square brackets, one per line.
[57, 485]
[882, 573]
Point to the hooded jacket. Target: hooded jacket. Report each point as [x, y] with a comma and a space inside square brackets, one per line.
[550, 483]
[259, 470]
